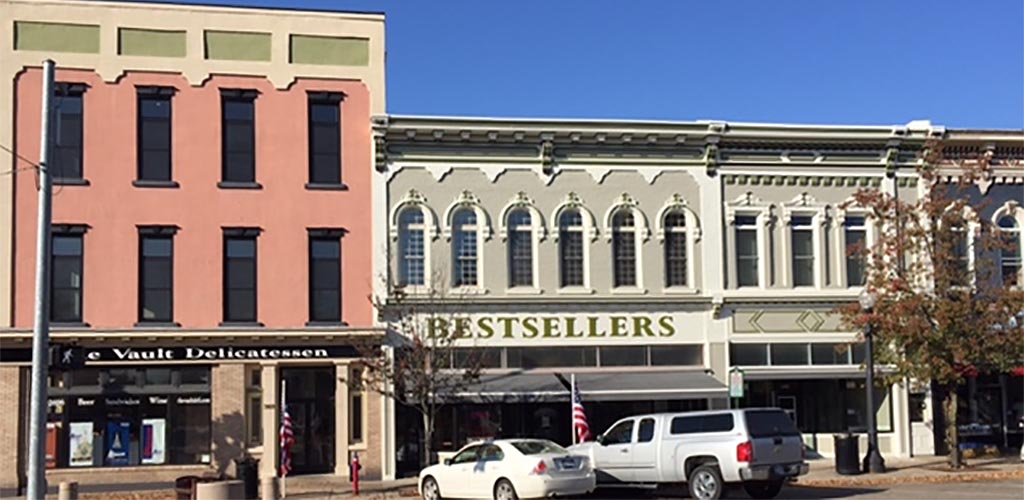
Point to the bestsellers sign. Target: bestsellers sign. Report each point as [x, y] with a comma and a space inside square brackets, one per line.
[537, 328]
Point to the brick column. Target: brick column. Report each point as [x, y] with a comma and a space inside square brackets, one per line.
[227, 419]
[341, 408]
[271, 445]
[10, 424]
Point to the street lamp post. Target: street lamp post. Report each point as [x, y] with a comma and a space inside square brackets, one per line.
[873, 461]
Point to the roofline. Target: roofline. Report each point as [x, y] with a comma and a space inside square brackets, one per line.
[618, 122]
[219, 6]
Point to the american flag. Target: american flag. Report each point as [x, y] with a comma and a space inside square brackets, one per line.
[580, 427]
[287, 440]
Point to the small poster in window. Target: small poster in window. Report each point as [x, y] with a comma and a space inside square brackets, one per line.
[118, 440]
[80, 444]
[153, 432]
[52, 436]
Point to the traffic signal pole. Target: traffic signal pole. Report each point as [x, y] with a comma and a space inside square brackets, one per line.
[41, 328]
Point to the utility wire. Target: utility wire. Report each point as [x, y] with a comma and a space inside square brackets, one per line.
[32, 164]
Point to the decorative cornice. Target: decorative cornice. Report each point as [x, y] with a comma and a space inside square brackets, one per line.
[803, 180]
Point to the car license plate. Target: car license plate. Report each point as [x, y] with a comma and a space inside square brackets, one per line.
[567, 463]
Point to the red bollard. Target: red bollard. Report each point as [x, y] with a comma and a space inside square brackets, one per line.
[355, 473]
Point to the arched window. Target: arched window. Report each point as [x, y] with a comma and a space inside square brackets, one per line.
[624, 248]
[570, 248]
[411, 255]
[961, 254]
[675, 249]
[520, 248]
[1010, 260]
[464, 247]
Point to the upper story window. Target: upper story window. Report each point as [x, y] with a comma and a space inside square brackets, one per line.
[747, 254]
[154, 134]
[855, 231]
[325, 138]
[156, 274]
[465, 247]
[520, 248]
[624, 248]
[66, 264]
[961, 254]
[802, 245]
[68, 122]
[676, 268]
[411, 251]
[240, 275]
[1010, 258]
[325, 275]
[238, 137]
[570, 248]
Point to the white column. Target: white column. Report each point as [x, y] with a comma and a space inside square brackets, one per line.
[271, 415]
[341, 409]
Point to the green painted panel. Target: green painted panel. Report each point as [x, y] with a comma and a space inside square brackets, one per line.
[330, 51]
[57, 37]
[237, 45]
[143, 42]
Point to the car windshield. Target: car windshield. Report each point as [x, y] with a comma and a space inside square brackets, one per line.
[538, 447]
[768, 423]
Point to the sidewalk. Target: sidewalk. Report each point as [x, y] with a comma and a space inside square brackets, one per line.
[930, 469]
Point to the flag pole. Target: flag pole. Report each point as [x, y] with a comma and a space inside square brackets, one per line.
[280, 454]
[572, 407]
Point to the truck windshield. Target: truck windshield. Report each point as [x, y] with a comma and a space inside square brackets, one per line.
[768, 423]
[538, 447]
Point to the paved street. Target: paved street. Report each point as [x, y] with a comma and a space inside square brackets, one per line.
[1000, 490]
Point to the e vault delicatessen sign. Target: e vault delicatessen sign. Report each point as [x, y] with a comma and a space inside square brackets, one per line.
[69, 355]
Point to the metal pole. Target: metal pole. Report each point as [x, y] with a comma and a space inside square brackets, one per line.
[873, 461]
[41, 330]
[572, 407]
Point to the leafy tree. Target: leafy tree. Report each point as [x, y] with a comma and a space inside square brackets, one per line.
[942, 312]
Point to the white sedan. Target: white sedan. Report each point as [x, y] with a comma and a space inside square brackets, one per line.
[507, 469]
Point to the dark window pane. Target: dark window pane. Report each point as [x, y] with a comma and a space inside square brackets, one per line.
[830, 354]
[241, 110]
[66, 279]
[326, 274]
[67, 272]
[156, 247]
[326, 305]
[324, 143]
[156, 135]
[645, 432]
[675, 259]
[67, 245]
[357, 418]
[484, 357]
[803, 256]
[325, 279]
[156, 305]
[527, 357]
[624, 356]
[717, 423]
[624, 255]
[157, 273]
[66, 161]
[749, 354]
[195, 375]
[855, 242]
[770, 423]
[571, 266]
[239, 140]
[685, 425]
[155, 107]
[324, 113]
[158, 376]
[520, 249]
[66, 306]
[859, 352]
[789, 354]
[746, 257]
[240, 279]
[241, 273]
[677, 355]
[156, 166]
[238, 247]
[241, 305]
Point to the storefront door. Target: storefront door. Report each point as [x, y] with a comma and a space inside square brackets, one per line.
[309, 394]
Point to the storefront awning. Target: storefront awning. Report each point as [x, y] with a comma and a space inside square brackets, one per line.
[647, 385]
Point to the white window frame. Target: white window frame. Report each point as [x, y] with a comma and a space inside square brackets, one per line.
[413, 200]
[1016, 212]
[363, 394]
[972, 230]
[750, 205]
[467, 200]
[804, 205]
[521, 200]
[641, 235]
[589, 228]
[693, 235]
[841, 244]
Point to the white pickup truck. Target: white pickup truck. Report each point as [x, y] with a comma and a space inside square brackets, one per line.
[758, 447]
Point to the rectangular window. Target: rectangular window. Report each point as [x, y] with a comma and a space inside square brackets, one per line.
[356, 409]
[624, 251]
[645, 432]
[238, 136]
[750, 354]
[521, 262]
[675, 256]
[67, 130]
[571, 246]
[154, 134]
[254, 411]
[532, 357]
[722, 422]
[240, 275]
[746, 251]
[624, 356]
[156, 274]
[66, 274]
[856, 241]
[325, 276]
[482, 357]
[465, 255]
[677, 355]
[830, 354]
[789, 354]
[325, 138]
[802, 237]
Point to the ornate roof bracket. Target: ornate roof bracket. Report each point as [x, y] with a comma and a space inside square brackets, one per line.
[892, 156]
[711, 158]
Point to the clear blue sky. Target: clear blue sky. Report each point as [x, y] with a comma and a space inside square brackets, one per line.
[957, 63]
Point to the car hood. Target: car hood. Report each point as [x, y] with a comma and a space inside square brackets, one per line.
[430, 470]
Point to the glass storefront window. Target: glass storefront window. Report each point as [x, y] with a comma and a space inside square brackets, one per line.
[624, 356]
[677, 355]
[750, 354]
[830, 354]
[158, 376]
[551, 357]
[487, 357]
[192, 375]
[789, 354]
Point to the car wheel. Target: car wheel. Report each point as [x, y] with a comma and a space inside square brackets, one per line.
[763, 489]
[503, 490]
[430, 489]
[705, 483]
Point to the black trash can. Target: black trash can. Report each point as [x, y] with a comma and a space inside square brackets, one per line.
[247, 471]
[847, 454]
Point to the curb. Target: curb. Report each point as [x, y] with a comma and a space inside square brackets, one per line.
[952, 477]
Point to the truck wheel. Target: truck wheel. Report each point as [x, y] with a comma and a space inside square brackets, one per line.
[705, 483]
[763, 489]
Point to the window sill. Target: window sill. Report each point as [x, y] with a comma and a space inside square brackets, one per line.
[70, 324]
[239, 185]
[240, 324]
[143, 183]
[469, 290]
[525, 290]
[326, 324]
[575, 290]
[629, 290]
[359, 446]
[69, 181]
[680, 290]
[322, 186]
[157, 324]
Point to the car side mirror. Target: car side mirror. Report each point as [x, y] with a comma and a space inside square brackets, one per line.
[447, 461]
[600, 439]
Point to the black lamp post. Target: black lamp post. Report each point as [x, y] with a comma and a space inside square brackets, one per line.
[873, 461]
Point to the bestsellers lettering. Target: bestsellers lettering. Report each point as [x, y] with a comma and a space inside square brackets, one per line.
[216, 353]
[552, 327]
